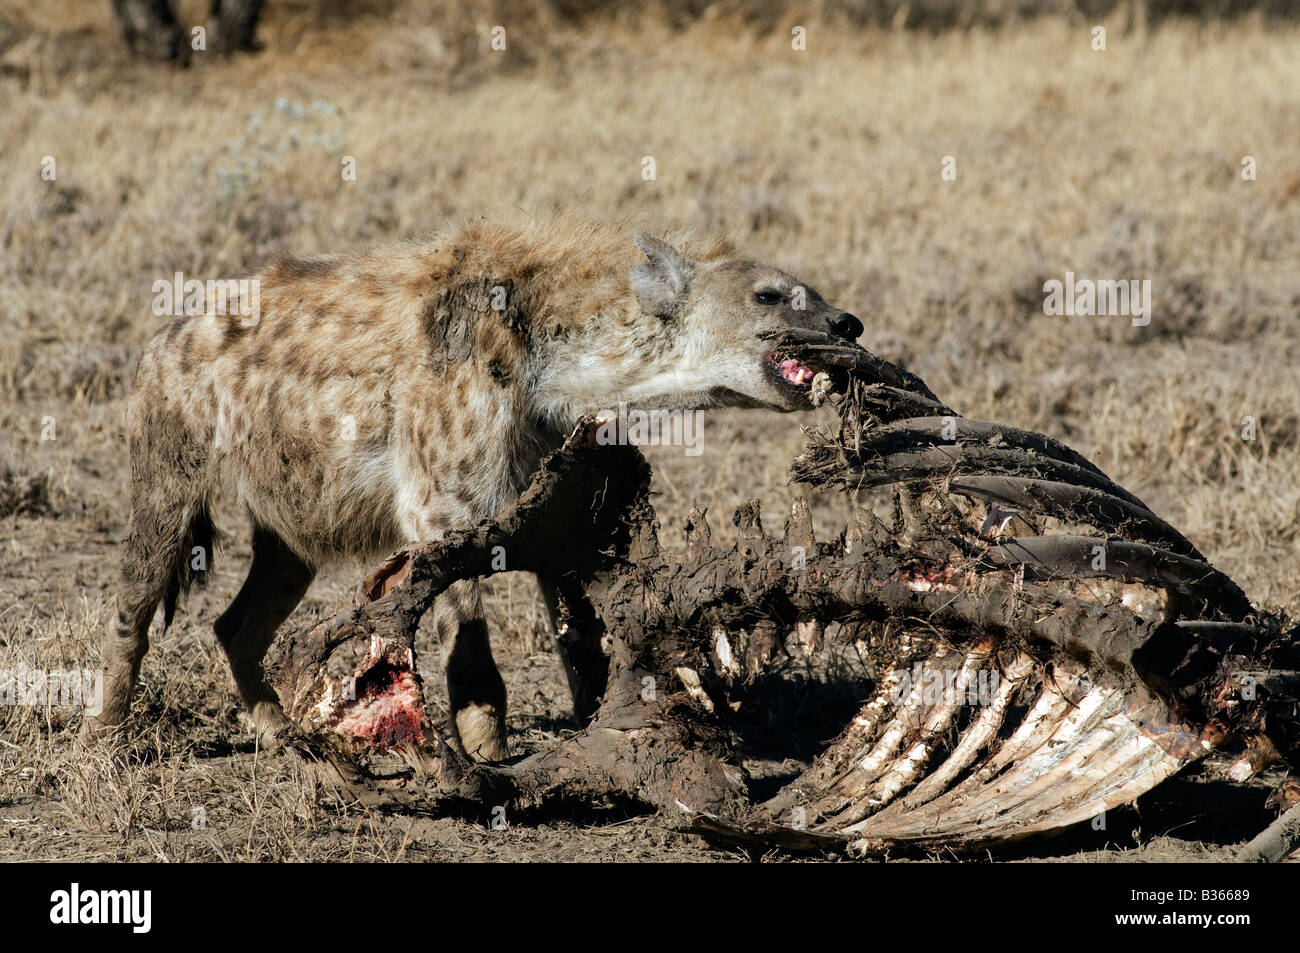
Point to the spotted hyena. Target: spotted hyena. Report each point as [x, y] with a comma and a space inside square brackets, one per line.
[379, 399]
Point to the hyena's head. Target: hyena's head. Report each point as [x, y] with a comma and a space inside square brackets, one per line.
[701, 323]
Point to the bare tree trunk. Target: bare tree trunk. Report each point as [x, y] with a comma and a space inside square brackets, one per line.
[233, 25]
[149, 28]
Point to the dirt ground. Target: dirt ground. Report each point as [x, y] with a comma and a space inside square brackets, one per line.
[1123, 163]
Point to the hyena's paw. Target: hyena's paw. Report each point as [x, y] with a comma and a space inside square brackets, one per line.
[100, 731]
[272, 726]
[481, 730]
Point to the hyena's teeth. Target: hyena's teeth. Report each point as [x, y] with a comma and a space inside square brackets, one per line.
[796, 373]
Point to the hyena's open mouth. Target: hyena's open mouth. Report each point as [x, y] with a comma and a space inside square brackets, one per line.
[791, 371]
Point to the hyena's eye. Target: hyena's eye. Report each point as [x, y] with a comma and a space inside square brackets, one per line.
[768, 297]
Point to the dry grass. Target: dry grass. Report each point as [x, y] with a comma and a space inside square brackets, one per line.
[1116, 164]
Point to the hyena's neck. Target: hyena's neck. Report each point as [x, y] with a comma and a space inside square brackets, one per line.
[617, 355]
[587, 343]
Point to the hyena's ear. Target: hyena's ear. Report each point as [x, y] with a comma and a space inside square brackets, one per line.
[660, 282]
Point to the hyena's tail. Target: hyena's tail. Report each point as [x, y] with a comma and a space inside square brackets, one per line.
[194, 562]
[168, 546]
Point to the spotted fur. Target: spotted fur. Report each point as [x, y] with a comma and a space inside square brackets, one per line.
[381, 398]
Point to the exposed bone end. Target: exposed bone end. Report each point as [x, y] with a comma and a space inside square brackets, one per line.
[694, 687]
[1240, 771]
[808, 636]
[799, 528]
[723, 655]
[1260, 753]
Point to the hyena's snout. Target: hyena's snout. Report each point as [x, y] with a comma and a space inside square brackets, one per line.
[792, 379]
[845, 325]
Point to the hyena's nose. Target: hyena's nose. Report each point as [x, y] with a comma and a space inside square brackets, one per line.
[846, 326]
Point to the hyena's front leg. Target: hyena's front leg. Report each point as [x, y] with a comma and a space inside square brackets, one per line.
[475, 689]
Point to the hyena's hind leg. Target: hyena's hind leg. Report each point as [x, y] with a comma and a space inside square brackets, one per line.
[475, 689]
[156, 566]
[276, 583]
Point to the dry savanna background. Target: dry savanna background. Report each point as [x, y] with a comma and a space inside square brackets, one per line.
[1125, 162]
